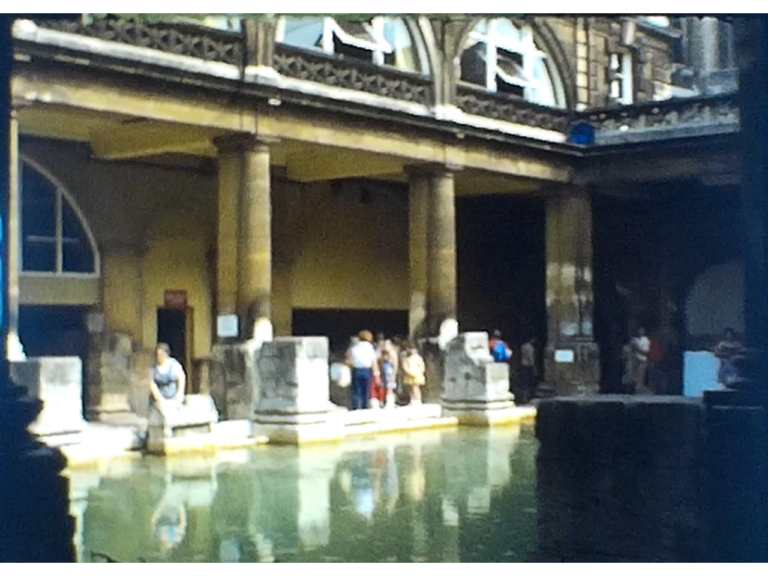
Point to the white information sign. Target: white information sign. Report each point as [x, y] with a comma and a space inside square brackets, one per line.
[564, 356]
[227, 326]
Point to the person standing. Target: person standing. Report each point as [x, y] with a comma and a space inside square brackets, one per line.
[529, 373]
[414, 371]
[362, 358]
[640, 347]
[388, 377]
[727, 350]
[499, 349]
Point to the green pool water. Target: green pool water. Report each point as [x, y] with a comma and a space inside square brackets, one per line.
[465, 495]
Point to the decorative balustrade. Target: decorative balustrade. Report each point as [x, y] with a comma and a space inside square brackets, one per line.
[184, 39]
[645, 121]
[717, 113]
[352, 74]
[479, 102]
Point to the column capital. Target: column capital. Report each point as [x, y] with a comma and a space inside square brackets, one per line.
[242, 142]
[431, 169]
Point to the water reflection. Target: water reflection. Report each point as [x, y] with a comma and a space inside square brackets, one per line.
[436, 496]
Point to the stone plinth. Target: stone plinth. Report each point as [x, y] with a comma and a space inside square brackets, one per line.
[181, 426]
[475, 388]
[58, 383]
[233, 381]
[110, 375]
[293, 402]
[621, 478]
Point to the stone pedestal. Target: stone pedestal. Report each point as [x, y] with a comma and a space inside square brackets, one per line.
[110, 375]
[181, 427]
[57, 382]
[293, 402]
[475, 388]
[234, 380]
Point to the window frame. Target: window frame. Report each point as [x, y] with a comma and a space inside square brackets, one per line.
[62, 195]
[527, 49]
[378, 49]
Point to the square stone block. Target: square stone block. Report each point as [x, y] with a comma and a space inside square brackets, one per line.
[471, 375]
[58, 382]
[294, 375]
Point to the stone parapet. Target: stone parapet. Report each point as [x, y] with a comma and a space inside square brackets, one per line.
[234, 382]
[183, 424]
[621, 478]
[110, 375]
[293, 403]
[475, 388]
[58, 383]
[573, 367]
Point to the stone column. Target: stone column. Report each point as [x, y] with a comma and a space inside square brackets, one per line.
[14, 350]
[441, 250]
[282, 258]
[417, 214]
[572, 362]
[254, 301]
[230, 178]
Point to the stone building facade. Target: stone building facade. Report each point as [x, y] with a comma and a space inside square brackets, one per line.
[181, 181]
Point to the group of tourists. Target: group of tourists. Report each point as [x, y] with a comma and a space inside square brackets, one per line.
[528, 371]
[380, 369]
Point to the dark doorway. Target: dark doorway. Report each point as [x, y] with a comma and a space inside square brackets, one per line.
[54, 331]
[340, 324]
[501, 266]
[174, 328]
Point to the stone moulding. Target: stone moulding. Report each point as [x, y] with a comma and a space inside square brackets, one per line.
[479, 102]
[356, 75]
[183, 39]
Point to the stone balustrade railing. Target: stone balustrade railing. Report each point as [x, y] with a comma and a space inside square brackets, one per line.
[479, 102]
[658, 120]
[352, 74]
[178, 38]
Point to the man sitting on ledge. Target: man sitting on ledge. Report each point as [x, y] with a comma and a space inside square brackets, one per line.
[168, 380]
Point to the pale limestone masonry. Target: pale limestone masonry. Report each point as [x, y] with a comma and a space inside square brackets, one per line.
[58, 382]
[294, 398]
[475, 388]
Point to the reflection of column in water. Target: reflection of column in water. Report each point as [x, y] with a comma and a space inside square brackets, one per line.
[264, 548]
[316, 471]
[501, 443]
[451, 526]
[77, 510]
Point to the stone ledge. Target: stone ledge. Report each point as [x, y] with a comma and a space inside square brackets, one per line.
[491, 417]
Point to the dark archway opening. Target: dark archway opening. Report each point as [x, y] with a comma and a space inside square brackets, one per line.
[501, 266]
[649, 247]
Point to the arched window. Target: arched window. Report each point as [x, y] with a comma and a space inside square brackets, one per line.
[54, 236]
[382, 40]
[503, 57]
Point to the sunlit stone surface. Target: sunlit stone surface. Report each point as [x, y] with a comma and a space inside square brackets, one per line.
[392, 498]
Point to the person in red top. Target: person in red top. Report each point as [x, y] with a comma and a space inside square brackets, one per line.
[655, 374]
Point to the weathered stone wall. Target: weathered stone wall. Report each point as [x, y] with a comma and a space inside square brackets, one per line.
[625, 478]
[621, 479]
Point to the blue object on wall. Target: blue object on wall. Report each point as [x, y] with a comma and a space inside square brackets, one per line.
[581, 133]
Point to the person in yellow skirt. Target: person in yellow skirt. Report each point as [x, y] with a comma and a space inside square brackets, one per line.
[414, 374]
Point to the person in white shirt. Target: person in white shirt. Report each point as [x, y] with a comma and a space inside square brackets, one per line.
[363, 360]
[641, 346]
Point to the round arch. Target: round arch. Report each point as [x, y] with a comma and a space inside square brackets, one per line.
[559, 69]
[327, 31]
[71, 203]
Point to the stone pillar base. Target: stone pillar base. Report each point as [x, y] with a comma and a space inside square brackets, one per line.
[58, 383]
[294, 405]
[299, 429]
[475, 388]
[487, 413]
[233, 385]
[110, 376]
[573, 368]
[182, 427]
